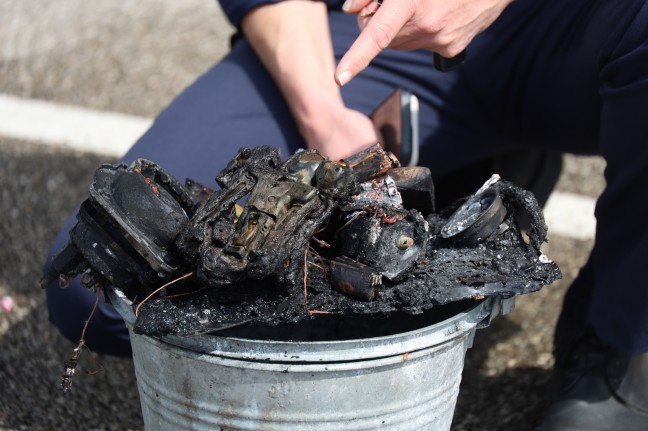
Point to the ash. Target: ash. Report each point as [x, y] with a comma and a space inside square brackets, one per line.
[315, 239]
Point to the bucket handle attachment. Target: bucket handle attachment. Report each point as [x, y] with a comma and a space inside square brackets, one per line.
[498, 305]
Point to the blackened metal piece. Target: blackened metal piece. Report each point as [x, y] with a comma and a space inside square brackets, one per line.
[415, 186]
[354, 278]
[333, 178]
[336, 179]
[147, 204]
[476, 219]
[239, 164]
[236, 180]
[69, 368]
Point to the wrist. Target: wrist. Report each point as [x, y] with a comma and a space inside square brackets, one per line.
[316, 115]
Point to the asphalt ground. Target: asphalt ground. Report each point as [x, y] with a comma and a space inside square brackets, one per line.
[133, 58]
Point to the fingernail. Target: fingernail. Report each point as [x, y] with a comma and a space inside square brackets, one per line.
[347, 5]
[343, 78]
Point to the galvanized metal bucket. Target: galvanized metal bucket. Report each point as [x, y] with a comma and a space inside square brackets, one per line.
[404, 381]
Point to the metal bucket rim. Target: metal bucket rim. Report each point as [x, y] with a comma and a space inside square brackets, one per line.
[349, 365]
[319, 351]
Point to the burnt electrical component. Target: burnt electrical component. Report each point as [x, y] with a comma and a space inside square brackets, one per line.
[282, 239]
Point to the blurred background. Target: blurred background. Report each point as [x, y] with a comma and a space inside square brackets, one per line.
[79, 82]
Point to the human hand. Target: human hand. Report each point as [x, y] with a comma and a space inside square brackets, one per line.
[443, 26]
[339, 132]
[301, 67]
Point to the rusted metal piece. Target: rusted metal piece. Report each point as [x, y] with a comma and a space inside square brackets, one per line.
[372, 162]
[354, 278]
[69, 262]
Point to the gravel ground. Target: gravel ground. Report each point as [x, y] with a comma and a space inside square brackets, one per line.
[114, 55]
[133, 57]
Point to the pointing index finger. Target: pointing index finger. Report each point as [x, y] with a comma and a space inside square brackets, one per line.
[381, 29]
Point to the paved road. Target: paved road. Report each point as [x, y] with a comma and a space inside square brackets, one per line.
[133, 58]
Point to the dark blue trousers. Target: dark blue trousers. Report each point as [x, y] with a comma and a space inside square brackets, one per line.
[563, 75]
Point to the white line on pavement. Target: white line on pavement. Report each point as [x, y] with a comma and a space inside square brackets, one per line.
[568, 215]
[82, 129]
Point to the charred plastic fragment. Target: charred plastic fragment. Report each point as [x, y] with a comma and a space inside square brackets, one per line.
[127, 226]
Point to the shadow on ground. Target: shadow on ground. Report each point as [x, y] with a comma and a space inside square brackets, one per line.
[514, 399]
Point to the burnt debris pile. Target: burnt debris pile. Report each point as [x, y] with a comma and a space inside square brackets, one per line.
[282, 240]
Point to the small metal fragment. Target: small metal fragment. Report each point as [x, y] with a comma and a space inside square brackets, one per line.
[476, 219]
[404, 242]
[354, 278]
[69, 368]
